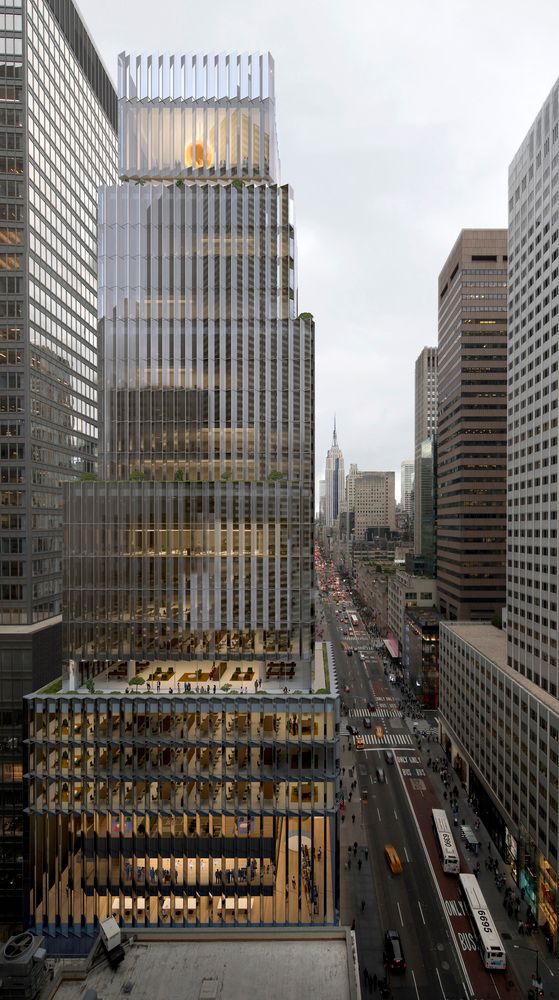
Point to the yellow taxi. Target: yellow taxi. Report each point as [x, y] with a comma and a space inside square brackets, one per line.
[392, 859]
[359, 742]
[379, 732]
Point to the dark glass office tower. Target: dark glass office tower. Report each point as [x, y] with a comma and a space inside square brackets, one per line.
[57, 145]
[193, 741]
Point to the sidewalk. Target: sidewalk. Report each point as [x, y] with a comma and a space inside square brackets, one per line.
[521, 950]
[357, 884]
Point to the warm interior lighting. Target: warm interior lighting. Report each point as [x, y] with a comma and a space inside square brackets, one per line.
[194, 155]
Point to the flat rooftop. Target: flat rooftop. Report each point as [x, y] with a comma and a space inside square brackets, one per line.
[491, 642]
[276, 966]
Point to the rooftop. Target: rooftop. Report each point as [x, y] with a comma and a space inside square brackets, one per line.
[239, 677]
[274, 965]
[491, 642]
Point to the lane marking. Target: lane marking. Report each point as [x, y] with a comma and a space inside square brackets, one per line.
[439, 978]
[494, 985]
[400, 912]
[395, 815]
[421, 910]
[406, 853]
[378, 812]
[457, 950]
[415, 984]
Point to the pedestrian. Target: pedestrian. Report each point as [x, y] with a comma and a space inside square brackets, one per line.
[366, 854]
[362, 905]
[353, 924]
[375, 981]
[355, 847]
[365, 976]
[353, 817]
[359, 863]
[349, 864]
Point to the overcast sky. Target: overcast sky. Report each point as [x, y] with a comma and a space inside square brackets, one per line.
[396, 123]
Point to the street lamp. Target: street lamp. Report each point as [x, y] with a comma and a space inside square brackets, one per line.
[536, 981]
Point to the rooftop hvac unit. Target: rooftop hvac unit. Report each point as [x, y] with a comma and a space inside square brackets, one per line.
[112, 938]
[22, 967]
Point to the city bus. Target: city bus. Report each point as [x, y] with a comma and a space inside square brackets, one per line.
[489, 943]
[354, 620]
[445, 843]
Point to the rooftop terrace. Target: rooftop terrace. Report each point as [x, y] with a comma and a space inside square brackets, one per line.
[164, 677]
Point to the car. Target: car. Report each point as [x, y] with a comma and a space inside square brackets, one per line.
[389, 756]
[350, 652]
[367, 722]
[351, 730]
[379, 732]
[362, 655]
[381, 777]
[393, 953]
[371, 706]
[392, 678]
[359, 742]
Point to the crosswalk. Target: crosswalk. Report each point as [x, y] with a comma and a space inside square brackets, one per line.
[387, 713]
[388, 740]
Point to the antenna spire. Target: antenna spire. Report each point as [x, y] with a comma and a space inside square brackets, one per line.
[335, 437]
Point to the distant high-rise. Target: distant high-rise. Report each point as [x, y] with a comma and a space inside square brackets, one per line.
[322, 501]
[374, 502]
[425, 434]
[472, 431]
[58, 116]
[407, 472]
[335, 480]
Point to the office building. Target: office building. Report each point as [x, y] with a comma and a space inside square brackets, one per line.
[425, 507]
[185, 773]
[420, 654]
[322, 502]
[407, 473]
[499, 689]
[335, 480]
[472, 426]
[405, 591]
[425, 538]
[375, 502]
[58, 140]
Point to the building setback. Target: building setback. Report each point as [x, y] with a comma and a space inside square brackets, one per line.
[58, 117]
[186, 772]
[472, 426]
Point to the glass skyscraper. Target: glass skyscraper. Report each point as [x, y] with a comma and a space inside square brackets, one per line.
[193, 742]
[58, 116]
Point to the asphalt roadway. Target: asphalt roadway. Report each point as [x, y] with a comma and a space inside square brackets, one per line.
[409, 902]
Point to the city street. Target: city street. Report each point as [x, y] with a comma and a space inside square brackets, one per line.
[408, 902]
[422, 903]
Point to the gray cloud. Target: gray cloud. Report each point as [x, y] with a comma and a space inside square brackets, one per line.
[397, 122]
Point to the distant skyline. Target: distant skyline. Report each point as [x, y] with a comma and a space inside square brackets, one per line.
[397, 126]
